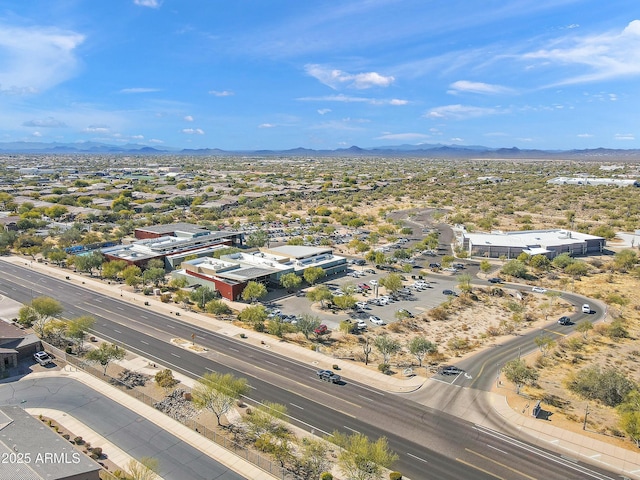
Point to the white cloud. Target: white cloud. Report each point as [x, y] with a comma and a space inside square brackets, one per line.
[193, 131]
[461, 112]
[337, 78]
[36, 134]
[137, 137]
[624, 136]
[154, 140]
[37, 58]
[404, 137]
[188, 118]
[139, 90]
[477, 87]
[148, 3]
[323, 111]
[607, 56]
[584, 135]
[350, 99]
[97, 129]
[223, 93]
[266, 125]
[48, 122]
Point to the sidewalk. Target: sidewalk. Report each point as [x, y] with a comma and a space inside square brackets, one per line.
[611, 457]
[180, 431]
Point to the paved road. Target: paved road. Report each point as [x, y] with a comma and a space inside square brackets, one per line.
[124, 428]
[450, 447]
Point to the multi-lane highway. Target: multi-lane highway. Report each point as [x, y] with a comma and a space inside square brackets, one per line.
[431, 444]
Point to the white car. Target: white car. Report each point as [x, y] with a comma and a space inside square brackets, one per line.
[361, 304]
[376, 320]
[42, 358]
[586, 308]
[373, 282]
[538, 290]
[361, 324]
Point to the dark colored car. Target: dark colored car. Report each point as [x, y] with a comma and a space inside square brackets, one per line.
[494, 280]
[449, 292]
[449, 370]
[564, 320]
[434, 265]
[328, 376]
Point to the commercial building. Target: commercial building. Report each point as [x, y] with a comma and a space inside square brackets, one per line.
[230, 274]
[532, 242]
[31, 450]
[172, 244]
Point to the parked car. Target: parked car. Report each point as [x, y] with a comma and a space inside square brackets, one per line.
[450, 269]
[459, 266]
[376, 320]
[586, 308]
[449, 370]
[449, 292]
[361, 324]
[321, 330]
[373, 282]
[369, 270]
[538, 290]
[494, 280]
[405, 312]
[328, 376]
[434, 265]
[42, 358]
[361, 304]
[564, 320]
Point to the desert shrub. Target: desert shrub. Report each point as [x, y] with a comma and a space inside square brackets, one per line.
[164, 378]
[439, 314]
[97, 451]
[617, 330]
[574, 344]
[608, 386]
[395, 327]
[493, 330]
[78, 440]
[384, 367]
[395, 476]
[326, 476]
[601, 329]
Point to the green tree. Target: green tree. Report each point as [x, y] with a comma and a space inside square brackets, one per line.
[313, 459]
[464, 282]
[609, 385]
[43, 309]
[544, 343]
[254, 291]
[540, 262]
[320, 294]
[562, 261]
[218, 392]
[57, 256]
[105, 354]
[519, 373]
[217, 307]
[78, 328]
[577, 269]
[307, 324]
[254, 315]
[112, 269]
[392, 282]
[132, 275]
[387, 346]
[153, 275]
[345, 302]
[360, 458]
[313, 274]
[258, 239]
[584, 327]
[515, 268]
[419, 347]
[202, 295]
[290, 281]
[485, 266]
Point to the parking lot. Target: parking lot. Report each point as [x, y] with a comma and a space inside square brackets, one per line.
[416, 303]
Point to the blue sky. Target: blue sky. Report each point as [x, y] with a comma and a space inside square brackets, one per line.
[325, 74]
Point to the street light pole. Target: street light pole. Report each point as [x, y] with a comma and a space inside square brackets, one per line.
[586, 413]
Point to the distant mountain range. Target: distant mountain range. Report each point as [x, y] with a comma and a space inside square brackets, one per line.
[422, 150]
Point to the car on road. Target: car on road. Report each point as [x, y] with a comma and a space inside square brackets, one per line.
[586, 308]
[376, 320]
[42, 358]
[564, 320]
[494, 280]
[538, 290]
[449, 370]
[328, 376]
[449, 293]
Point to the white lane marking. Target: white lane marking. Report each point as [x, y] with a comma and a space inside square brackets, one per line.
[142, 341]
[355, 431]
[175, 355]
[417, 458]
[117, 331]
[366, 398]
[297, 406]
[170, 326]
[495, 448]
[234, 349]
